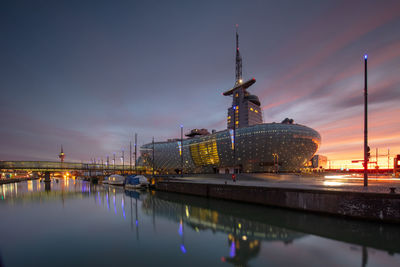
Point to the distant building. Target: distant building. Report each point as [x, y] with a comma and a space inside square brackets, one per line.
[396, 166]
[319, 162]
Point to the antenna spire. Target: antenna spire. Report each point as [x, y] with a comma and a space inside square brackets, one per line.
[238, 60]
[61, 155]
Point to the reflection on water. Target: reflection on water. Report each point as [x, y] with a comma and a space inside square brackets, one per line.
[202, 231]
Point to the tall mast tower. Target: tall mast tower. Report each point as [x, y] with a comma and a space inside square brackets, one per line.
[245, 110]
[61, 155]
[238, 60]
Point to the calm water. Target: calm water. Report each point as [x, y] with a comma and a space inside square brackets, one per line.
[75, 223]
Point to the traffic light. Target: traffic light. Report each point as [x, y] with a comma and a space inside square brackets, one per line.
[368, 153]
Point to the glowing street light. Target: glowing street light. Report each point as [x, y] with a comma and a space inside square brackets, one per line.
[181, 150]
[366, 148]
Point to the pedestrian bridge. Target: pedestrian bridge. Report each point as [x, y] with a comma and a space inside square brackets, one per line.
[62, 166]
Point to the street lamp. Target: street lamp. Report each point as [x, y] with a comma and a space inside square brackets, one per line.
[234, 139]
[153, 157]
[181, 150]
[123, 161]
[135, 152]
[114, 161]
[365, 122]
[130, 157]
[276, 161]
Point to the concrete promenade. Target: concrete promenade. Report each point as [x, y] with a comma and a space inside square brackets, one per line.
[333, 194]
[327, 181]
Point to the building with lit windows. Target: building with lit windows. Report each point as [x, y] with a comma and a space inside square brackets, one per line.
[248, 145]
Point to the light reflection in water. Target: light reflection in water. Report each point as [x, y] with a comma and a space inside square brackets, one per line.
[248, 229]
[180, 228]
[123, 209]
[115, 206]
[108, 201]
[232, 252]
[30, 185]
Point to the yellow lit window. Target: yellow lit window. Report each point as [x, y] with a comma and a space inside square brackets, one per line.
[237, 122]
[251, 109]
[256, 111]
[237, 95]
[229, 117]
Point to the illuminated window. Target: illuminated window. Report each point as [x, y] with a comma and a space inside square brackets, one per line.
[237, 95]
[251, 109]
[237, 122]
[256, 111]
[205, 153]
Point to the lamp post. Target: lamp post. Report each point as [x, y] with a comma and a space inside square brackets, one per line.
[181, 150]
[114, 161]
[153, 157]
[234, 139]
[123, 161]
[130, 156]
[276, 161]
[365, 121]
[135, 152]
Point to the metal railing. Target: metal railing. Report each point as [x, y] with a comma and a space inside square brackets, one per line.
[54, 166]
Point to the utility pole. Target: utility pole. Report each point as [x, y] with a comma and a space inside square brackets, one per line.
[135, 152]
[365, 121]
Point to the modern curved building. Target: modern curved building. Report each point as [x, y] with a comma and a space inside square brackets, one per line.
[248, 145]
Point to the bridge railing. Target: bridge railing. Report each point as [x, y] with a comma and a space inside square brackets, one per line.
[54, 165]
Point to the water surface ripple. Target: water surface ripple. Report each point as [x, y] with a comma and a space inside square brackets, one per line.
[75, 223]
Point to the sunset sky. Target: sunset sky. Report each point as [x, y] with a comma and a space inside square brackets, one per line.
[89, 74]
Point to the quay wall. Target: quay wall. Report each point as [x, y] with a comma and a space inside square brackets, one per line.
[370, 206]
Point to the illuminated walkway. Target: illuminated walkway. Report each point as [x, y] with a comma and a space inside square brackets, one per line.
[331, 182]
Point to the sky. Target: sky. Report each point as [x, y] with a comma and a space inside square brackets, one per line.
[90, 74]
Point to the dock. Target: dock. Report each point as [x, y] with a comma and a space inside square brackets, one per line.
[379, 202]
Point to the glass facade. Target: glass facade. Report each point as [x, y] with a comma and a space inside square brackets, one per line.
[258, 148]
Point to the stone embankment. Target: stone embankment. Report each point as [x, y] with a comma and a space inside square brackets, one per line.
[360, 205]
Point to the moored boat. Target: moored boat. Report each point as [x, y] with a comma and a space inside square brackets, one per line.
[136, 181]
[116, 179]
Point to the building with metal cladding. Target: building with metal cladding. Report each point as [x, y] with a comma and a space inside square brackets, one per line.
[258, 147]
[248, 145]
